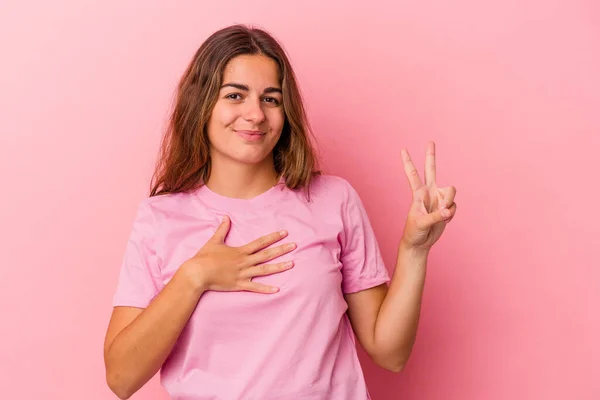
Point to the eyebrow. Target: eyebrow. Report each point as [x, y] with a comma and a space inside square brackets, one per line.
[247, 89]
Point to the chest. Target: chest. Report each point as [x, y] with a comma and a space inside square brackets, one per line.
[317, 266]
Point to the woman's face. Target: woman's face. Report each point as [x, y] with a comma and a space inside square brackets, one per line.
[248, 117]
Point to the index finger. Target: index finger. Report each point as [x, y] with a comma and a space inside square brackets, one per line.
[430, 164]
[263, 241]
[411, 172]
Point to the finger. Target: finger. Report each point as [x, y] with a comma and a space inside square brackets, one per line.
[440, 215]
[262, 242]
[430, 164]
[272, 253]
[447, 196]
[222, 230]
[411, 172]
[452, 213]
[266, 269]
[258, 287]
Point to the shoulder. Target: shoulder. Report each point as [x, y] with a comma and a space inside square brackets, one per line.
[164, 204]
[329, 183]
[333, 187]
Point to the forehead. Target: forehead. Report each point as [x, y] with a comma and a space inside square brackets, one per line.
[253, 70]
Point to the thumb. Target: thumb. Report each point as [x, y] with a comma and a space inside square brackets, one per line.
[433, 218]
[222, 230]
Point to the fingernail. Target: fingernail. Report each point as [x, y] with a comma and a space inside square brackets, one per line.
[282, 233]
[291, 246]
[273, 289]
[289, 264]
[445, 213]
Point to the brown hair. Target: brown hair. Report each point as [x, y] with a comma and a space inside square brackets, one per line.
[184, 159]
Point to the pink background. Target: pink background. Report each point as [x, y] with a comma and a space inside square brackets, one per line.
[509, 90]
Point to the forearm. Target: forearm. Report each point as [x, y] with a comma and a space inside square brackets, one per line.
[398, 317]
[138, 352]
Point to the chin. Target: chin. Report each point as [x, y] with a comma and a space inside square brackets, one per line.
[251, 160]
[250, 157]
[244, 153]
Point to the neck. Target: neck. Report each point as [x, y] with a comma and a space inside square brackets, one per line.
[241, 181]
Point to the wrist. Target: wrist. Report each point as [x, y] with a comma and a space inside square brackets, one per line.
[412, 250]
[194, 280]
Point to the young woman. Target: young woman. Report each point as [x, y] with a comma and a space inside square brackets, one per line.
[248, 274]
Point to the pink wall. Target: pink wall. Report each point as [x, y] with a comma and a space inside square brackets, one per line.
[509, 90]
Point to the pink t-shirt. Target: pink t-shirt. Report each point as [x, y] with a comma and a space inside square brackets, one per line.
[297, 344]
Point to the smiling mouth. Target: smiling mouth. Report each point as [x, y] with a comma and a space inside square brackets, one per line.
[251, 136]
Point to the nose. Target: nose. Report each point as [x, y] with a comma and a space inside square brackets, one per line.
[253, 111]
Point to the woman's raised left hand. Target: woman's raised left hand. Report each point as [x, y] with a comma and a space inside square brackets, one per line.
[432, 207]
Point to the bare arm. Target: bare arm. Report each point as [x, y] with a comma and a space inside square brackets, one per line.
[385, 320]
[138, 341]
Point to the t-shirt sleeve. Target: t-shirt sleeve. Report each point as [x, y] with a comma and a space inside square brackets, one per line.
[362, 263]
[139, 278]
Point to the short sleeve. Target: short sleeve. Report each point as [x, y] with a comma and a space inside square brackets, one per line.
[362, 263]
[139, 278]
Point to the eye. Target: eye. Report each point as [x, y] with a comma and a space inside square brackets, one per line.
[234, 96]
[272, 100]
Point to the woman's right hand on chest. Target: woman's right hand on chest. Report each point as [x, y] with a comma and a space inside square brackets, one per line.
[219, 267]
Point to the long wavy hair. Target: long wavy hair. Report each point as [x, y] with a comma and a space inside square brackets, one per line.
[184, 156]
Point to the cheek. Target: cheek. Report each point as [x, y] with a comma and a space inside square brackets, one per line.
[276, 120]
[222, 117]
[228, 116]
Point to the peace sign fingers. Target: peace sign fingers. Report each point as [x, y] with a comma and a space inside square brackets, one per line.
[411, 172]
[430, 164]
